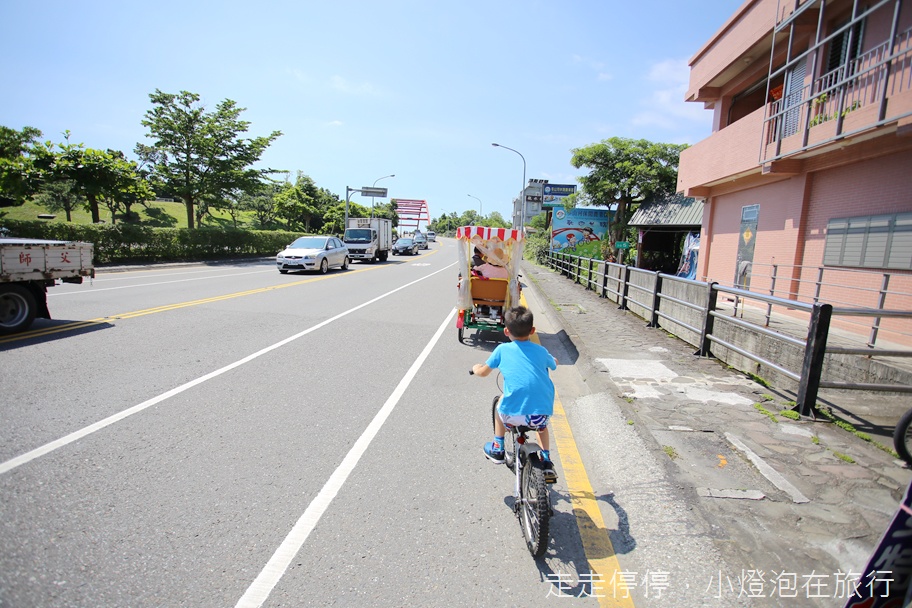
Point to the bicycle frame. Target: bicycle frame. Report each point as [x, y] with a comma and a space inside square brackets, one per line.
[521, 450]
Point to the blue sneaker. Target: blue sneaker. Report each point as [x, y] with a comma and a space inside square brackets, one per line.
[494, 455]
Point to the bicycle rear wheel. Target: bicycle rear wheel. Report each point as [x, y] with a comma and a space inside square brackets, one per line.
[535, 509]
[902, 437]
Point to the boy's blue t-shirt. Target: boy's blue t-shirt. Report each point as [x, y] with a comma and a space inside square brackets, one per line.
[528, 389]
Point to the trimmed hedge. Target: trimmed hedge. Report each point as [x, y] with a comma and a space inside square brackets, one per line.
[128, 243]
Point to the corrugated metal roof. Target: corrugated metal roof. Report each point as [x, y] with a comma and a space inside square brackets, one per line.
[676, 211]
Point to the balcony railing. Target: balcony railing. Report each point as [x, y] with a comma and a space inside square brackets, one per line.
[854, 97]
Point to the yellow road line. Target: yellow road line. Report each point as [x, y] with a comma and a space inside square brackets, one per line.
[605, 572]
[149, 311]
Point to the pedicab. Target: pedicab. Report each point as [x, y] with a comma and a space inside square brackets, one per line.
[481, 299]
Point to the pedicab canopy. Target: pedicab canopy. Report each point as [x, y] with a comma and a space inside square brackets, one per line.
[499, 246]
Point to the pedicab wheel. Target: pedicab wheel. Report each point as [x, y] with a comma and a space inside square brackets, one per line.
[902, 437]
[460, 330]
[535, 510]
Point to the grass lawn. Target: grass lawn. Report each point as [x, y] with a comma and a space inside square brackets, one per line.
[156, 214]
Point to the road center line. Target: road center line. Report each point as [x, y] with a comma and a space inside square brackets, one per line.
[275, 568]
[18, 461]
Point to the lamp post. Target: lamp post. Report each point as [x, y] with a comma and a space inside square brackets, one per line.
[479, 204]
[522, 191]
[372, 198]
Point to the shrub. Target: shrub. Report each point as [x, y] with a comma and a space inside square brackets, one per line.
[123, 243]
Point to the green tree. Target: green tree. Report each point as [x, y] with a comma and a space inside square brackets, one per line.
[496, 220]
[100, 176]
[539, 222]
[388, 211]
[625, 172]
[297, 203]
[200, 156]
[17, 179]
[262, 204]
[62, 195]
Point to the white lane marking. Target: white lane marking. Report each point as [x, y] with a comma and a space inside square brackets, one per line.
[275, 568]
[18, 461]
[130, 275]
[91, 290]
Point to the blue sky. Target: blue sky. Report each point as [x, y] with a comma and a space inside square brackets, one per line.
[360, 90]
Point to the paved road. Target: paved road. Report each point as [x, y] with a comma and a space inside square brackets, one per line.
[218, 435]
[226, 435]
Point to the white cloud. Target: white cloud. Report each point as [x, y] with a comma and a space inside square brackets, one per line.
[664, 107]
[334, 123]
[365, 88]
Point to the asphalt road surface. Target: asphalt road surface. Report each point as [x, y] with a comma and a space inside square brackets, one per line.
[223, 435]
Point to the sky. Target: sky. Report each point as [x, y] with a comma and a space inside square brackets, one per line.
[363, 89]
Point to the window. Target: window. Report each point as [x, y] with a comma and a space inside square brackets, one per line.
[875, 241]
[844, 48]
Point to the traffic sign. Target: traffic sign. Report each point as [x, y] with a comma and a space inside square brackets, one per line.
[371, 191]
[622, 245]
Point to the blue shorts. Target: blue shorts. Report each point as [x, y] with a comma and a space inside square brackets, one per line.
[536, 422]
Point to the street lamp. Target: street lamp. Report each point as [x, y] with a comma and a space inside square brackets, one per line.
[522, 191]
[479, 204]
[372, 198]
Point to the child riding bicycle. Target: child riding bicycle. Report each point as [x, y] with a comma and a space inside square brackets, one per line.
[528, 396]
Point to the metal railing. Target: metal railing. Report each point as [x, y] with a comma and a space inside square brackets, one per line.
[648, 290]
[846, 289]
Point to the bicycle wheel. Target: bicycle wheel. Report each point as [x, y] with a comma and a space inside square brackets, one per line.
[902, 437]
[509, 441]
[535, 509]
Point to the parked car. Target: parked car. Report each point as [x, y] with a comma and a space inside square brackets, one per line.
[318, 253]
[405, 246]
[421, 240]
[431, 236]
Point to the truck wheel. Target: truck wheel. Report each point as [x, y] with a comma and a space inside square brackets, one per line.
[17, 309]
[384, 256]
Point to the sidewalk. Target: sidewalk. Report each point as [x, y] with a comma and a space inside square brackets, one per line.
[799, 496]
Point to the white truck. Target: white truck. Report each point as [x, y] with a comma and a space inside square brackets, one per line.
[369, 238]
[28, 267]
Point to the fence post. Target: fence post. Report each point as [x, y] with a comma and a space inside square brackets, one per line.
[708, 319]
[578, 272]
[589, 275]
[769, 305]
[812, 367]
[656, 289]
[881, 300]
[605, 267]
[622, 300]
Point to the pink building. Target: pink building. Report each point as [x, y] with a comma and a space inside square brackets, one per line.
[808, 171]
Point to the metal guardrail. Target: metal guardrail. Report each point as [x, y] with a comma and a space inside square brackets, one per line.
[644, 288]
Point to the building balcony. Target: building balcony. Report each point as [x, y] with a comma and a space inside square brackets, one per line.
[871, 92]
[723, 156]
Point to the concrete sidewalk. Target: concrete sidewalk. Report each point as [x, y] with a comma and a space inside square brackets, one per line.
[779, 495]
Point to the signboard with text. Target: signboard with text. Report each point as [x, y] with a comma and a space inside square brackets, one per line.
[571, 228]
[553, 193]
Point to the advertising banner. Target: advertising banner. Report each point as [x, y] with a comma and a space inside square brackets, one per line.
[580, 230]
[553, 193]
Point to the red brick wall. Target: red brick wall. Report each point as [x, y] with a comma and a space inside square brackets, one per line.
[777, 230]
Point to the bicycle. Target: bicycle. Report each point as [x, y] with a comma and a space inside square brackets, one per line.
[902, 437]
[531, 492]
